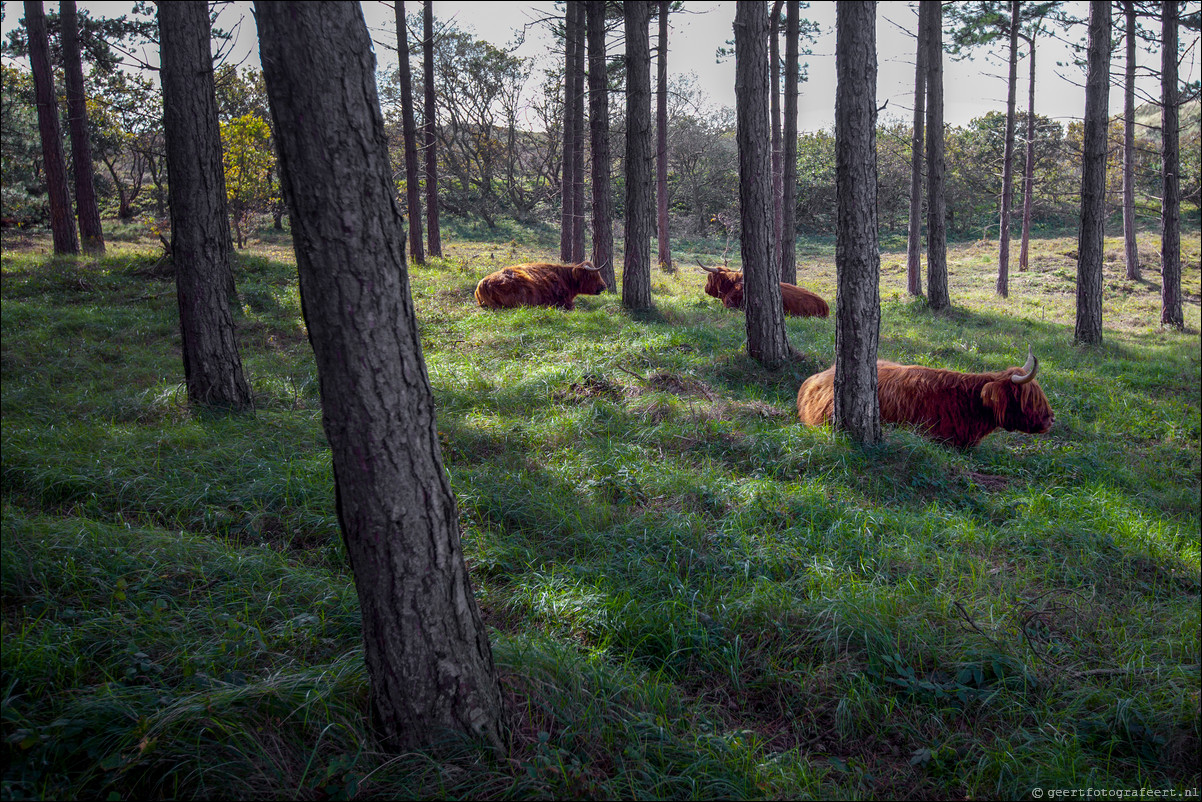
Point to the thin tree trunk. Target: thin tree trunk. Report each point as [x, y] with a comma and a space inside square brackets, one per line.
[433, 233]
[578, 133]
[788, 258]
[914, 241]
[1170, 210]
[58, 195]
[86, 210]
[1130, 249]
[603, 235]
[857, 252]
[1003, 256]
[1029, 165]
[568, 179]
[1093, 178]
[413, 192]
[430, 666]
[774, 106]
[636, 267]
[661, 142]
[937, 295]
[767, 341]
[201, 247]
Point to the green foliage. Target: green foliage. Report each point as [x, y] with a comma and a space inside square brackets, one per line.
[250, 169]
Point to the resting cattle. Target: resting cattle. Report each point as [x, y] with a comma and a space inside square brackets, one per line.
[539, 284]
[957, 408]
[727, 286]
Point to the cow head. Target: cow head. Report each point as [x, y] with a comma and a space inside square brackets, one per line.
[588, 279]
[1017, 401]
[721, 280]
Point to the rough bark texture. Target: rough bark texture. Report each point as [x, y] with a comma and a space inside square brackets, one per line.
[661, 142]
[857, 252]
[914, 241]
[764, 314]
[788, 234]
[86, 210]
[1003, 256]
[1130, 251]
[1029, 163]
[778, 182]
[568, 178]
[937, 295]
[413, 192]
[1093, 178]
[636, 267]
[433, 234]
[201, 246]
[58, 195]
[598, 114]
[578, 134]
[1170, 157]
[429, 662]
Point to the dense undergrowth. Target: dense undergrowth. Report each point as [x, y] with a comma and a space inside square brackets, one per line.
[689, 594]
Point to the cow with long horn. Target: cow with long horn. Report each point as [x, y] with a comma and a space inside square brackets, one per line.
[727, 286]
[957, 408]
[539, 284]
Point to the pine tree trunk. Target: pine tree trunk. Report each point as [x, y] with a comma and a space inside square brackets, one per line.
[201, 247]
[1003, 256]
[603, 235]
[636, 267]
[1093, 178]
[58, 195]
[433, 233]
[413, 192]
[429, 662]
[661, 142]
[1029, 164]
[578, 134]
[857, 252]
[767, 341]
[914, 241]
[1130, 248]
[937, 295]
[778, 183]
[1170, 210]
[86, 209]
[788, 249]
[568, 180]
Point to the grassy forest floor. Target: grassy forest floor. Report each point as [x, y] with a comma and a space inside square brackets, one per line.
[689, 594]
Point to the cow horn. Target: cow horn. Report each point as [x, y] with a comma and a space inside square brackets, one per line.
[707, 269]
[1029, 369]
[588, 265]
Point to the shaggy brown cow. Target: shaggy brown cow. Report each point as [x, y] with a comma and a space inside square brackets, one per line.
[958, 408]
[539, 284]
[727, 286]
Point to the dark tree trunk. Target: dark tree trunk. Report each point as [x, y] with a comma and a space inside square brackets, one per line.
[603, 235]
[857, 252]
[1003, 255]
[430, 666]
[1130, 249]
[200, 230]
[1170, 210]
[413, 192]
[661, 142]
[767, 341]
[86, 210]
[433, 234]
[937, 295]
[788, 251]
[567, 220]
[914, 241]
[578, 134]
[636, 267]
[1093, 178]
[62, 226]
[774, 107]
[1029, 164]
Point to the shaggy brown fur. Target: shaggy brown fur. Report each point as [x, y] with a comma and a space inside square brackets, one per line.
[727, 286]
[958, 408]
[539, 284]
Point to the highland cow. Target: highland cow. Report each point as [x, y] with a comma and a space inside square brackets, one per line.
[727, 286]
[539, 284]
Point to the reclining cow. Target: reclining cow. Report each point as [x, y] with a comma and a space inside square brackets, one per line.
[957, 408]
[539, 284]
[727, 286]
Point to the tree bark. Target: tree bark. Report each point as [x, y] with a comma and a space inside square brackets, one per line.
[767, 341]
[1003, 256]
[788, 249]
[433, 233]
[578, 135]
[86, 209]
[937, 296]
[774, 107]
[1029, 164]
[1170, 215]
[914, 241]
[661, 142]
[857, 252]
[598, 84]
[636, 267]
[1093, 178]
[567, 189]
[58, 195]
[201, 246]
[1130, 248]
[413, 192]
[429, 662]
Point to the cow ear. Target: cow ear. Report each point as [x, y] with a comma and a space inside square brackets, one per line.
[995, 397]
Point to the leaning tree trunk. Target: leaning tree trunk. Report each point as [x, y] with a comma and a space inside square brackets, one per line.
[598, 115]
[1093, 178]
[1170, 210]
[661, 142]
[767, 341]
[568, 178]
[914, 240]
[413, 192]
[86, 209]
[429, 662]
[1003, 255]
[1130, 248]
[58, 195]
[788, 237]
[857, 252]
[577, 89]
[937, 295]
[433, 233]
[636, 268]
[1029, 164]
[201, 247]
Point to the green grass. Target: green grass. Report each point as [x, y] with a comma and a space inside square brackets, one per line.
[689, 594]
